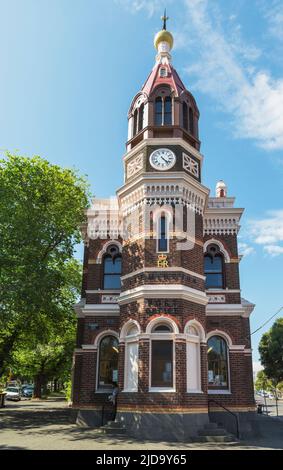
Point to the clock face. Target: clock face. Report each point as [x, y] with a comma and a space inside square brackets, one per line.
[162, 159]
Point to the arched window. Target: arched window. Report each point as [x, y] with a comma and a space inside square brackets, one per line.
[135, 128]
[162, 241]
[141, 113]
[131, 359]
[217, 356]
[112, 268]
[162, 357]
[185, 116]
[168, 111]
[193, 360]
[191, 121]
[107, 362]
[158, 111]
[213, 268]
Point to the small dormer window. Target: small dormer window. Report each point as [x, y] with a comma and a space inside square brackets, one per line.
[163, 72]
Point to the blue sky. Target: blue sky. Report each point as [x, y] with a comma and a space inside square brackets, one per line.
[70, 69]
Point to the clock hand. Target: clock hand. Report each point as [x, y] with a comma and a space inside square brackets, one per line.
[166, 161]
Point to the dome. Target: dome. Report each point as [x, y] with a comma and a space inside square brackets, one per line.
[163, 36]
[221, 189]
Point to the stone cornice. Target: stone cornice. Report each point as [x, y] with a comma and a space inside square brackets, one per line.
[244, 309]
[166, 270]
[160, 291]
[155, 188]
[222, 220]
[96, 310]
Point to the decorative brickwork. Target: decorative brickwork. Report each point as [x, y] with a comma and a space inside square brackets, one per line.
[168, 286]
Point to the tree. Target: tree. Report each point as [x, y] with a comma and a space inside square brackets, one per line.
[271, 352]
[50, 356]
[41, 209]
[262, 382]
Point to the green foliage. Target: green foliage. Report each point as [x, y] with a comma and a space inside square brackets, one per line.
[41, 209]
[262, 382]
[271, 352]
[68, 390]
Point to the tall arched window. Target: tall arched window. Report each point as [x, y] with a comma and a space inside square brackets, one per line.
[107, 362]
[217, 356]
[141, 114]
[162, 357]
[135, 128]
[191, 121]
[131, 359]
[162, 242]
[168, 111]
[193, 360]
[158, 111]
[185, 116]
[112, 268]
[213, 268]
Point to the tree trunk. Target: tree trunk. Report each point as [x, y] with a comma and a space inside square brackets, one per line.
[40, 385]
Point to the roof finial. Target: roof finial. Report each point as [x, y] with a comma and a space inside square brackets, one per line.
[164, 19]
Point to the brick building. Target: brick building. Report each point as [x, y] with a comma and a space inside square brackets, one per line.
[161, 311]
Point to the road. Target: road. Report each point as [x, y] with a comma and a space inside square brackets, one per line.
[47, 425]
[271, 406]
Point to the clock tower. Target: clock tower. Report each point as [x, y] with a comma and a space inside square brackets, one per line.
[161, 315]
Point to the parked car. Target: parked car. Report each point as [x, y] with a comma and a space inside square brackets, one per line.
[13, 393]
[27, 391]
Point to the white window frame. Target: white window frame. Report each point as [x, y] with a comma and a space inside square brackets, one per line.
[165, 337]
[97, 342]
[167, 229]
[131, 339]
[227, 339]
[193, 339]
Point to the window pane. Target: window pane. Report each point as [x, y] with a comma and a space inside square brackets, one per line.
[158, 112]
[112, 265]
[191, 119]
[132, 354]
[108, 362]
[185, 116]
[212, 265]
[217, 363]
[168, 111]
[162, 241]
[141, 112]
[162, 244]
[164, 328]
[135, 129]
[162, 363]
[214, 280]
[112, 281]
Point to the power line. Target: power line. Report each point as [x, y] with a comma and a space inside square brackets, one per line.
[267, 321]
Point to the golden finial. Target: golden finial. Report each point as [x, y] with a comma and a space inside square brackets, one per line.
[164, 35]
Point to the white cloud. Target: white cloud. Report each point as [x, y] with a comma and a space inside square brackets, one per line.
[268, 232]
[274, 16]
[225, 68]
[253, 98]
[245, 249]
[274, 250]
[134, 6]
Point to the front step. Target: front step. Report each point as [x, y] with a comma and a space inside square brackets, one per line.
[113, 428]
[219, 439]
[212, 432]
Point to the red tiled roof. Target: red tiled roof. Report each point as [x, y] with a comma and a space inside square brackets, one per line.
[172, 79]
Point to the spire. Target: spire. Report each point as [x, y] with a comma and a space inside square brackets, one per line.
[163, 41]
[164, 19]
